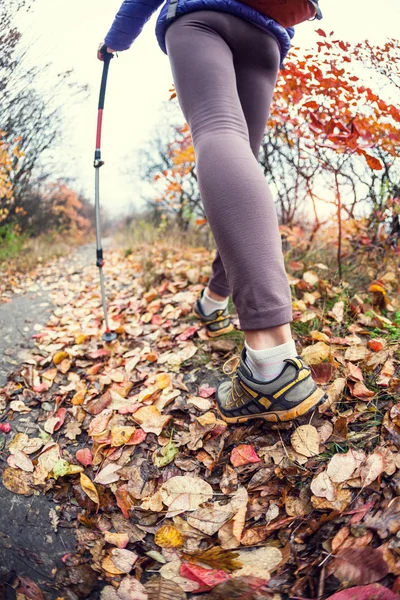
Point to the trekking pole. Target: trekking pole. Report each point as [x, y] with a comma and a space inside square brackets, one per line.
[108, 336]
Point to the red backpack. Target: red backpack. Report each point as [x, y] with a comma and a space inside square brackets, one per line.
[287, 12]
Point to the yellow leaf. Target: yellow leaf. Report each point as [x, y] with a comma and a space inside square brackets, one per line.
[108, 565]
[90, 489]
[168, 537]
[120, 435]
[163, 380]
[79, 338]
[59, 357]
[79, 397]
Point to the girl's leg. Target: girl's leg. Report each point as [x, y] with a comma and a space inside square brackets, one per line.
[236, 197]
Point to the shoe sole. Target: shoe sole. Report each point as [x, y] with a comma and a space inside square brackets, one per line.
[281, 416]
[214, 334]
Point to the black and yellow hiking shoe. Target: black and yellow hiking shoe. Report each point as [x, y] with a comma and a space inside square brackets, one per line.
[217, 323]
[292, 394]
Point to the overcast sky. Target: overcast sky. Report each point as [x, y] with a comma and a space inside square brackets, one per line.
[68, 33]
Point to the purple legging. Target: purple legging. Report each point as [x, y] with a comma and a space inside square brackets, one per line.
[225, 70]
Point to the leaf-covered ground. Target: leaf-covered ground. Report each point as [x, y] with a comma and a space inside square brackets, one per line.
[166, 501]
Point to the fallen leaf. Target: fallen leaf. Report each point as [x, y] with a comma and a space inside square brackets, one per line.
[89, 488]
[244, 455]
[121, 540]
[131, 589]
[259, 562]
[120, 435]
[109, 474]
[206, 578]
[359, 566]
[161, 589]
[313, 355]
[185, 493]
[166, 455]
[217, 558]
[59, 357]
[322, 487]
[372, 469]
[28, 590]
[18, 481]
[305, 440]
[356, 353]
[168, 536]
[341, 467]
[21, 461]
[367, 592]
[150, 419]
[242, 588]
[84, 457]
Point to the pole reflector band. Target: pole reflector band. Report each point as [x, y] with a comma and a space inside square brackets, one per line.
[98, 132]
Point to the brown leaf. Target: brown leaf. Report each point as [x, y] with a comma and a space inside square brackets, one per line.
[217, 558]
[323, 372]
[158, 588]
[242, 588]
[18, 481]
[28, 589]
[386, 521]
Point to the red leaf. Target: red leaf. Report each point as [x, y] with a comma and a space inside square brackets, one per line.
[206, 391]
[84, 457]
[5, 427]
[320, 32]
[43, 387]
[373, 162]
[244, 455]
[360, 390]
[61, 414]
[375, 345]
[359, 565]
[367, 592]
[136, 438]
[206, 578]
[188, 333]
[124, 500]
[100, 353]
[156, 320]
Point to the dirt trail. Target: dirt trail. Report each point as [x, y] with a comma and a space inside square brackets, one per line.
[29, 545]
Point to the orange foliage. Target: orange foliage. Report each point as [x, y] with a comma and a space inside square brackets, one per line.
[321, 97]
[8, 153]
[65, 207]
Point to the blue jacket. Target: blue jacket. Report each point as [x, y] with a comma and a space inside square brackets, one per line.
[133, 15]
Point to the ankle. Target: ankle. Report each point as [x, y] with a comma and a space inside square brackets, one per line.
[215, 296]
[264, 339]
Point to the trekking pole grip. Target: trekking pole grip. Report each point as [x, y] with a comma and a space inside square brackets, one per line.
[107, 56]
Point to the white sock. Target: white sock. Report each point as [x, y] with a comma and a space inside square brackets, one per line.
[209, 305]
[268, 364]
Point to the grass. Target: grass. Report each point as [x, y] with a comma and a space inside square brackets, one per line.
[21, 254]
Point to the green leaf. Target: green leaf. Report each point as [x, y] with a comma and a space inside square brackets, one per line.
[166, 455]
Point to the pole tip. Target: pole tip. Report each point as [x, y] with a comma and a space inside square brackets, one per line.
[109, 336]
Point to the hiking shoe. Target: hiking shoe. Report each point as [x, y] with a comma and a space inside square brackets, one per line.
[292, 394]
[217, 323]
